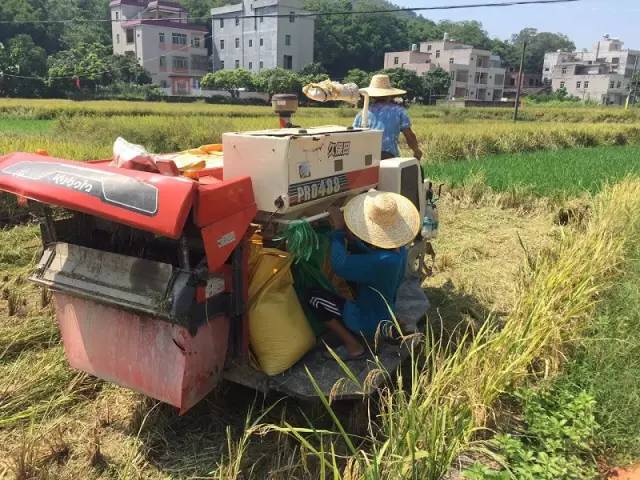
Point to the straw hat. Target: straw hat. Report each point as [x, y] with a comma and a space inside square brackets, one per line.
[380, 86]
[383, 219]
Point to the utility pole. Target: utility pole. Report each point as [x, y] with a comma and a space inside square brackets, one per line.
[520, 79]
[634, 85]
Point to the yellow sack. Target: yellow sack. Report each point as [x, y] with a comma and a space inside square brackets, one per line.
[279, 333]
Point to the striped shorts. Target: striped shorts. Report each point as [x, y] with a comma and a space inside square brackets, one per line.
[326, 305]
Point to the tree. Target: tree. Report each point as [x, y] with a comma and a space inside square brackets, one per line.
[31, 61]
[200, 10]
[7, 67]
[87, 62]
[406, 80]
[230, 80]
[357, 76]
[355, 41]
[437, 81]
[126, 69]
[538, 43]
[469, 32]
[278, 80]
[421, 29]
[313, 73]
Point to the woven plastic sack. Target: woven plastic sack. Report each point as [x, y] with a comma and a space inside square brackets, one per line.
[279, 333]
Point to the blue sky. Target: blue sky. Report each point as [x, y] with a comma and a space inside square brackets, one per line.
[584, 21]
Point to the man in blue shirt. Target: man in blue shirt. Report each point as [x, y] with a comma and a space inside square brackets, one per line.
[386, 115]
[380, 225]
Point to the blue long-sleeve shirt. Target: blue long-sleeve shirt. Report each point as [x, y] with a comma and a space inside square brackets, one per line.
[374, 272]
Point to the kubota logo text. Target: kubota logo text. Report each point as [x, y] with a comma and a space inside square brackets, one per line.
[70, 181]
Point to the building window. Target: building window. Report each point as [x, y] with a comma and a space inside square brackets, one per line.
[222, 64]
[615, 60]
[261, 42]
[428, 48]
[562, 84]
[619, 84]
[117, 38]
[221, 44]
[251, 43]
[117, 16]
[237, 63]
[437, 53]
[287, 40]
[261, 19]
[130, 35]
[179, 38]
[578, 84]
[612, 84]
[195, 83]
[261, 64]
[250, 65]
[161, 37]
[164, 84]
[237, 42]
[288, 62]
[586, 84]
[222, 23]
[292, 17]
[195, 42]
[451, 61]
[163, 62]
[180, 63]
[546, 69]
[564, 70]
[396, 60]
[237, 21]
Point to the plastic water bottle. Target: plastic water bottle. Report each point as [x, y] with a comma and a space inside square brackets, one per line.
[430, 222]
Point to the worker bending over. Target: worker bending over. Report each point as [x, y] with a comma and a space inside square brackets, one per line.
[386, 115]
[377, 226]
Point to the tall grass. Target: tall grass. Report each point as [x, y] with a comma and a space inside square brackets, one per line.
[429, 418]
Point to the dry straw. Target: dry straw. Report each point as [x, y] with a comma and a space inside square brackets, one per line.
[433, 414]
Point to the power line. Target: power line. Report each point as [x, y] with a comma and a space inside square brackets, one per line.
[301, 15]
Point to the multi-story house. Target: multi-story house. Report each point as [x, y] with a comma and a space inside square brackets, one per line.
[158, 35]
[261, 34]
[603, 74]
[476, 74]
[530, 83]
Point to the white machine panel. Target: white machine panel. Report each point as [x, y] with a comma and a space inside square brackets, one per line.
[294, 169]
[403, 176]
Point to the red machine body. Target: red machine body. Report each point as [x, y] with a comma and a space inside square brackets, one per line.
[148, 271]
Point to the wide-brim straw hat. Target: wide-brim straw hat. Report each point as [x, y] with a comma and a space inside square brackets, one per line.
[380, 86]
[383, 219]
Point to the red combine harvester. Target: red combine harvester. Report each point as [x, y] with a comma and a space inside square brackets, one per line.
[149, 271]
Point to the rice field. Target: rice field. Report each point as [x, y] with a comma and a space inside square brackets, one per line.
[513, 291]
[551, 173]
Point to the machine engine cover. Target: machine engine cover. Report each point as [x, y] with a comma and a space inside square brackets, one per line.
[295, 169]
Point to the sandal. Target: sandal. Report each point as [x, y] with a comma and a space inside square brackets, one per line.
[343, 354]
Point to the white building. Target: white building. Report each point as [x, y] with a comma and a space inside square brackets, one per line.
[602, 74]
[476, 74]
[157, 34]
[248, 35]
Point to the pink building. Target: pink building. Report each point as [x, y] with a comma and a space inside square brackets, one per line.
[158, 35]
